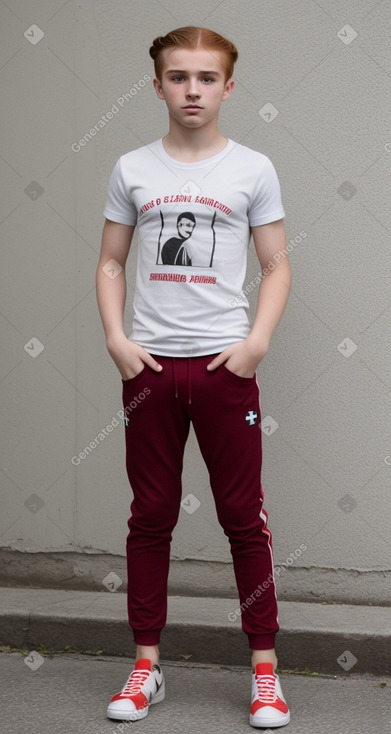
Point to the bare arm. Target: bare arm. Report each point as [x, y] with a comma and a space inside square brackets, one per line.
[270, 241]
[243, 357]
[111, 294]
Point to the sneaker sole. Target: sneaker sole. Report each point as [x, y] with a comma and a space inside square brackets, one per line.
[119, 715]
[270, 723]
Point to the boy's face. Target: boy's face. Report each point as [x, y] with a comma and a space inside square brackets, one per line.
[185, 228]
[193, 85]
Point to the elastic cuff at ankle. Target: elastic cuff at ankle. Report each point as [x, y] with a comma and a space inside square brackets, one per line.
[262, 642]
[146, 637]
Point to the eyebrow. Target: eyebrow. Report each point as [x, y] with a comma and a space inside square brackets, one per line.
[183, 71]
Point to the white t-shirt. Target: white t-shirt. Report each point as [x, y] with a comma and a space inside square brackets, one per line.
[193, 224]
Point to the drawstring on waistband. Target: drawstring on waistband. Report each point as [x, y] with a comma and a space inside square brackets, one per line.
[189, 379]
[175, 378]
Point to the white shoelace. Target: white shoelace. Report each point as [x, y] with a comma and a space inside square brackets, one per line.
[135, 682]
[266, 687]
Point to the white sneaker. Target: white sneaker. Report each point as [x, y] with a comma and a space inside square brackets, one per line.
[268, 706]
[144, 686]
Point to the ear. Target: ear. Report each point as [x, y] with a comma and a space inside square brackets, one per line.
[158, 88]
[228, 89]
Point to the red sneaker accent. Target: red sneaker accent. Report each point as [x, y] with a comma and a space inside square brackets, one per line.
[266, 690]
[277, 704]
[139, 700]
[136, 681]
[144, 686]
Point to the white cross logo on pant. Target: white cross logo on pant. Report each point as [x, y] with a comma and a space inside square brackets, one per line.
[251, 417]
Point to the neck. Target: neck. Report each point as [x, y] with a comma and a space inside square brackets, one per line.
[189, 145]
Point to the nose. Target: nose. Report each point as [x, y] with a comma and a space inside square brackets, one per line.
[192, 88]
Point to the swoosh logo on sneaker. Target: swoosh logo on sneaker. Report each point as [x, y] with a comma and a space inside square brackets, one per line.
[158, 677]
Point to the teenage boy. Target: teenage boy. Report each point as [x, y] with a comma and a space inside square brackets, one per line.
[192, 353]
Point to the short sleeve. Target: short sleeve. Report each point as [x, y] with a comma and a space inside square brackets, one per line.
[266, 205]
[119, 207]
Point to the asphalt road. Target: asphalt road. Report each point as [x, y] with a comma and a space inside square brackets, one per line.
[68, 694]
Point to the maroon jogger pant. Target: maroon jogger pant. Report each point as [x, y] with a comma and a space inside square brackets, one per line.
[225, 412]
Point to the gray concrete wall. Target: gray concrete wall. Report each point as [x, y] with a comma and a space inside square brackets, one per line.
[322, 69]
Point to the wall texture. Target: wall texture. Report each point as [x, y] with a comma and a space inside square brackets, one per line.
[312, 94]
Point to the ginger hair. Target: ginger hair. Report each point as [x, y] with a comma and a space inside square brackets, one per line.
[194, 37]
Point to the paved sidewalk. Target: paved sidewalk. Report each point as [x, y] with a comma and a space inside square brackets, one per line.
[322, 638]
[68, 694]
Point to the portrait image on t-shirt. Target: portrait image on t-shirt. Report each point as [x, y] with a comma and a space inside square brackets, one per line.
[183, 248]
[174, 251]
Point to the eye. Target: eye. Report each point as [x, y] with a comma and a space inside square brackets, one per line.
[207, 79]
[177, 78]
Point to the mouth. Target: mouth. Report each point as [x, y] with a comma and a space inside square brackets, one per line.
[193, 107]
